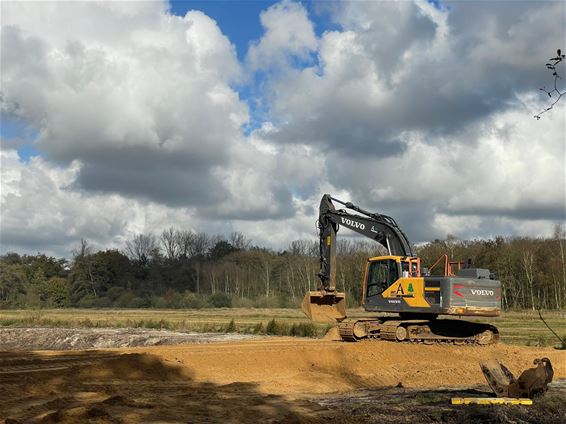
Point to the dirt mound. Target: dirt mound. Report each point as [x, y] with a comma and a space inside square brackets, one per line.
[281, 380]
[333, 335]
[287, 365]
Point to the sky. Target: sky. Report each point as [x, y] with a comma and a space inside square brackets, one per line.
[121, 118]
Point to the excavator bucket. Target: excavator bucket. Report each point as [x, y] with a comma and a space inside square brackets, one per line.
[498, 377]
[322, 306]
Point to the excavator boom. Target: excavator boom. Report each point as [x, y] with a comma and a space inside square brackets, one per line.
[327, 304]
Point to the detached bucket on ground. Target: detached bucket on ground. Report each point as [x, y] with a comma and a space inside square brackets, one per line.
[322, 306]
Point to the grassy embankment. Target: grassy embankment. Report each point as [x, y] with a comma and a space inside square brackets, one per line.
[523, 328]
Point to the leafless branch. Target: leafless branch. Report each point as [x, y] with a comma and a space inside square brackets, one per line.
[551, 66]
[562, 341]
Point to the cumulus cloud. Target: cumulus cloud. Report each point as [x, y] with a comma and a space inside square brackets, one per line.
[42, 210]
[147, 107]
[425, 114]
[288, 32]
[396, 66]
[141, 113]
[420, 112]
[39, 212]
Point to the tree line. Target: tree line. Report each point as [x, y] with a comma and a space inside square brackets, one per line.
[185, 269]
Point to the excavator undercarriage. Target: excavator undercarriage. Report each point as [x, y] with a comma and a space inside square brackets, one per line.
[418, 331]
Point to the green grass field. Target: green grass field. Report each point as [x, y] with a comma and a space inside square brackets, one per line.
[522, 328]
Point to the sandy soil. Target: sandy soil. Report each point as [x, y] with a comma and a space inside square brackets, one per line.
[273, 380]
[292, 365]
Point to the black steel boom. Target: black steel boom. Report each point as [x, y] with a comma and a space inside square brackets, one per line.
[381, 228]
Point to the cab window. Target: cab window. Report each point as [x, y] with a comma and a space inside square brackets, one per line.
[381, 274]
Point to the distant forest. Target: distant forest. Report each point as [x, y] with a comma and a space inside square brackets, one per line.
[184, 269]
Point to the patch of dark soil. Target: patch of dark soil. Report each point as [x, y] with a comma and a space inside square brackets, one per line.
[400, 406]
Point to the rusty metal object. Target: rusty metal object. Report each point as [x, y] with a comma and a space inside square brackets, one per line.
[531, 382]
[474, 311]
[322, 306]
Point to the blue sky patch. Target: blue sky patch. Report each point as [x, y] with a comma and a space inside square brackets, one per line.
[17, 134]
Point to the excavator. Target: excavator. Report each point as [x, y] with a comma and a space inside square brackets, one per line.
[396, 284]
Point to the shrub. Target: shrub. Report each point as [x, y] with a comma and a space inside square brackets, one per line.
[130, 300]
[175, 300]
[272, 327]
[161, 324]
[87, 323]
[156, 302]
[231, 328]
[88, 301]
[193, 301]
[103, 302]
[115, 292]
[220, 300]
[270, 302]
[259, 329]
[303, 329]
[55, 292]
[242, 302]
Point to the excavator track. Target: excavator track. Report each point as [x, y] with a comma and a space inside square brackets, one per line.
[346, 330]
[420, 331]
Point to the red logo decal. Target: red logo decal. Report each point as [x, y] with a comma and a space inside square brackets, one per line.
[456, 292]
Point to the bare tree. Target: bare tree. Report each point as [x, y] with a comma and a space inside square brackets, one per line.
[528, 267]
[142, 248]
[560, 236]
[84, 249]
[239, 241]
[297, 247]
[202, 244]
[81, 255]
[186, 240]
[451, 243]
[552, 66]
[170, 241]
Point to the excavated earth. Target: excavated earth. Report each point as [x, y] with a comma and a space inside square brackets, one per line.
[279, 380]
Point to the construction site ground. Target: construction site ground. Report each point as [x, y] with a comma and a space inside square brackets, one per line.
[265, 379]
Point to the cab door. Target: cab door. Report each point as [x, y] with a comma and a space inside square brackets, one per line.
[380, 274]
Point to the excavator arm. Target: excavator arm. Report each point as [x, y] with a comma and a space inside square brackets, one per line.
[380, 228]
[327, 304]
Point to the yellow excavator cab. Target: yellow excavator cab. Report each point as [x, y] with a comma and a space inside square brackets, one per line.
[321, 306]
